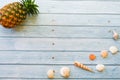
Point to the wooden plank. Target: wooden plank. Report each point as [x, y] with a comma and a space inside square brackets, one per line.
[75, 6]
[56, 79]
[39, 71]
[45, 58]
[79, 7]
[59, 32]
[56, 44]
[72, 19]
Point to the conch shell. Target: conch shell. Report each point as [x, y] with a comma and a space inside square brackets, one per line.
[115, 35]
[82, 66]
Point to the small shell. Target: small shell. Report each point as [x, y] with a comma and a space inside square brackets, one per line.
[113, 49]
[65, 72]
[82, 66]
[92, 57]
[115, 35]
[100, 67]
[51, 74]
[104, 53]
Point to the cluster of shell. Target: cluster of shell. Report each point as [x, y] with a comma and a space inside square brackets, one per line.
[112, 49]
[65, 71]
[104, 53]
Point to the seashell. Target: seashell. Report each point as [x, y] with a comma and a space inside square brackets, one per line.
[65, 72]
[104, 53]
[100, 67]
[113, 49]
[92, 57]
[82, 66]
[115, 35]
[51, 74]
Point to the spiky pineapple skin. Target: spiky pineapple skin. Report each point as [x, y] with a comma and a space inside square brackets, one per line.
[12, 14]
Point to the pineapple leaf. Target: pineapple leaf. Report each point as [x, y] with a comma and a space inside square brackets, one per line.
[30, 6]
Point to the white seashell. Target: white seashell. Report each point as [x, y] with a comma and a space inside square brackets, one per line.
[113, 49]
[65, 72]
[104, 53]
[115, 35]
[51, 74]
[100, 67]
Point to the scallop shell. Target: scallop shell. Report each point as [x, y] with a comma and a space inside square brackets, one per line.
[100, 67]
[113, 49]
[51, 74]
[104, 53]
[82, 66]
[65, 72]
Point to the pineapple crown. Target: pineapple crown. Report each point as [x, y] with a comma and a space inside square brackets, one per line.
[30, 6]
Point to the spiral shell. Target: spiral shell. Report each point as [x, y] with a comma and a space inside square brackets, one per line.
[82, 66]
[115, 35]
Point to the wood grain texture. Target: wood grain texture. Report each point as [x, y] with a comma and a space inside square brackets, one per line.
[55, 79]
[56, 44]
[54, 57]
[33, 71]
[72, 19]
[59, 32]
[76, 6]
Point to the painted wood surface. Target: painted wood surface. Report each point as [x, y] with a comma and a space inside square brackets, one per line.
[56, 44]
[76, 6]
[64, 31]
[54, 57]
[39, 71]
[59, 32]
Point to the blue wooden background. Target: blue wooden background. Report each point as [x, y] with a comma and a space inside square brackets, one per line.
[64, 31]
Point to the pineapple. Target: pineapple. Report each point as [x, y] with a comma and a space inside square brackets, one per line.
[15, 13]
